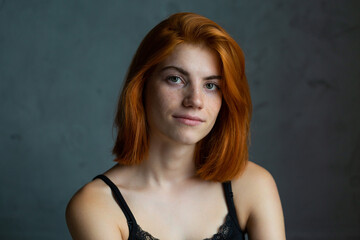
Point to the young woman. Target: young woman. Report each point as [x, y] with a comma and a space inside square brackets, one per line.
[182, 167]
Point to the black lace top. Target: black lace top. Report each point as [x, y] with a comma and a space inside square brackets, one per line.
[229, 230]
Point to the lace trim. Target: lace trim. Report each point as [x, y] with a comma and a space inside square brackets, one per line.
[143, 235]
[225, 231]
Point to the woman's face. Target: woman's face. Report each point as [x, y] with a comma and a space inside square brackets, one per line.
[183, 96]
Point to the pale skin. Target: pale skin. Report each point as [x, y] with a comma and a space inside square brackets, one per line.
[166, 197]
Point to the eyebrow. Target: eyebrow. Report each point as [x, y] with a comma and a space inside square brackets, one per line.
[182, 71]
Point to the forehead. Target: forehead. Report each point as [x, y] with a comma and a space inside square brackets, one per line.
[193, 58]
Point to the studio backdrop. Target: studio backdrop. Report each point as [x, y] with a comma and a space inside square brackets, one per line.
[62, 65]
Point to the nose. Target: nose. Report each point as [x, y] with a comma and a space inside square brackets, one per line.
[193, 97]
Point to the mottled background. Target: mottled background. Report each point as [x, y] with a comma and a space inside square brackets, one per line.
[61, 68]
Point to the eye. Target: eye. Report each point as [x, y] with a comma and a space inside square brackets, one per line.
[212, 86]
[174, 79]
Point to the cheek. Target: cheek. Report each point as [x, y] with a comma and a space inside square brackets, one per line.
[215, 106]
[219, 103]
[160, 101]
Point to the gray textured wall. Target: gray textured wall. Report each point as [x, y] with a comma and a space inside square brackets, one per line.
[62, 65]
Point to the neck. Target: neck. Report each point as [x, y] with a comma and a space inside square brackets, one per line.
[168, 163]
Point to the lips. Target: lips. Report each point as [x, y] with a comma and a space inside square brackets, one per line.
[189, 120]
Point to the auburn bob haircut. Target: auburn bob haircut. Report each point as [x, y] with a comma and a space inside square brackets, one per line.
[223, 153]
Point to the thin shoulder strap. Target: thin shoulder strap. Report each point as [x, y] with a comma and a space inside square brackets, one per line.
[229, 196]
[121, 201]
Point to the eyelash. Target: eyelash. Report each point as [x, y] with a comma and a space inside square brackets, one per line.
[215, 85]
[170, 79]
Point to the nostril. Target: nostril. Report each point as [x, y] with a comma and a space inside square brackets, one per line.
[195, 99]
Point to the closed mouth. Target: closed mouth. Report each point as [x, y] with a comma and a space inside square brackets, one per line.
[192, 118]
[188, 120]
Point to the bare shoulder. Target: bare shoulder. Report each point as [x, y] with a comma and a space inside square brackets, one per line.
[258, 203]
[254, 185]
[90, 213]
[255, 179]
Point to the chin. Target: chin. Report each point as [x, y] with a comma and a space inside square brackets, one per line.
[187, 140]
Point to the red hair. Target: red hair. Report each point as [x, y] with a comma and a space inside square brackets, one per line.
[223, 153]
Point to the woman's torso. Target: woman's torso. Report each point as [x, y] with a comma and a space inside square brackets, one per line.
[191, 210]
